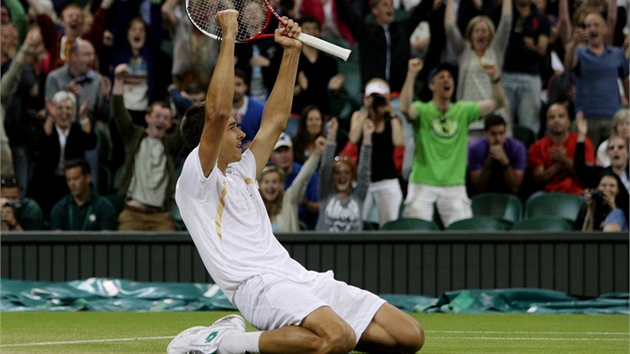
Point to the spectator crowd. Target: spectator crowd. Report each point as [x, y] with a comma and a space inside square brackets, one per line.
[440, 101]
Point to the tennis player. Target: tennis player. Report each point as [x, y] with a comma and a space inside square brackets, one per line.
[298, 311]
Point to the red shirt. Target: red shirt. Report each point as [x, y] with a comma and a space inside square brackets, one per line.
[564, 180]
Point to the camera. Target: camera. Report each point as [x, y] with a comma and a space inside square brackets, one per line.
[597, 195]
[378, 100]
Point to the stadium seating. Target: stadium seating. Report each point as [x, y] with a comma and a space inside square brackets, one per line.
[524, 134]
[479, 223]
[560, 205]
[498, 205]
[410, 224]
[541, 223]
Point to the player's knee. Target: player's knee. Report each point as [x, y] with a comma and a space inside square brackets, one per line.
[412, 338]
[340, 340]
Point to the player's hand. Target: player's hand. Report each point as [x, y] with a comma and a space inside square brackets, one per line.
[228, 21]
[286, 33]
[415, 65]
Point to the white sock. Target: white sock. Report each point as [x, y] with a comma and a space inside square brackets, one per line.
[239, 343]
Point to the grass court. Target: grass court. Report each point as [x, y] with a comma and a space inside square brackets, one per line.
[132, 332]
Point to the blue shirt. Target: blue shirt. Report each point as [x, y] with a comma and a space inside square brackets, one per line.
[596, 90]
[616, 216]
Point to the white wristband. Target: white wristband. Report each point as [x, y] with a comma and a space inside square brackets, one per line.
[84, 121]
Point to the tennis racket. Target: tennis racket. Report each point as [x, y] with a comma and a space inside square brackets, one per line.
[253, 19]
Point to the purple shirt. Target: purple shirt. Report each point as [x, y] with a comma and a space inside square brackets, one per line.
[478, 153]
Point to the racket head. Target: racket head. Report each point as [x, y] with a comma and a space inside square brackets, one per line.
[253, 17]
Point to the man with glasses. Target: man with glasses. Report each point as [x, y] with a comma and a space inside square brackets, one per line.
[438, 173]
[18, 214]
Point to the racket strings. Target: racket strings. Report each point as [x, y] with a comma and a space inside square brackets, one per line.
[251, 20]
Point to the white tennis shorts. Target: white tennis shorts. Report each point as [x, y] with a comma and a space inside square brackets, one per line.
[269, 302]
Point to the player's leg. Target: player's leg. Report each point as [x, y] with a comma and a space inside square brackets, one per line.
[391, 331]
[323, 331]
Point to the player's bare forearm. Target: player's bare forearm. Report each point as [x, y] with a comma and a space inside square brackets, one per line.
[220, 90]
[278, 107]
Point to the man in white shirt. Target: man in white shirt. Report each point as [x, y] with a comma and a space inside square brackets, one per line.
[298, 311]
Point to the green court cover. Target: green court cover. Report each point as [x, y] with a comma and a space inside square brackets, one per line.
[108, 294]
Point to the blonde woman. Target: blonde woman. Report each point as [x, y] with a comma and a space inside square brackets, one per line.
[281, 205]
[620, 127]
[481, 45]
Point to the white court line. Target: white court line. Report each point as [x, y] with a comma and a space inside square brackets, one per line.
[445, 338]
[83, 341]
[534, 338]
[529, 332]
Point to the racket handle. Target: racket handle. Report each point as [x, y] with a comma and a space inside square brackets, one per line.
[324, 46]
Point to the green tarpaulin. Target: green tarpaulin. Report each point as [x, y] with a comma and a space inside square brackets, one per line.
[106, 294]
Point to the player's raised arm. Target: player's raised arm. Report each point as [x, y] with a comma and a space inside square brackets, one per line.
[219, 98]
[278, 107]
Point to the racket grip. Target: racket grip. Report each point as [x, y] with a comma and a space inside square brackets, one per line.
[324, 46]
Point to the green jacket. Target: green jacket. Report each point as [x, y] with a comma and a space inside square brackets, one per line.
[132, 135]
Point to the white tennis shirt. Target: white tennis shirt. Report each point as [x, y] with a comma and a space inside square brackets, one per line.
[228, 222]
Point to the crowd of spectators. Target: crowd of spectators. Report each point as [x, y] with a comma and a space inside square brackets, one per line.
[92, 94]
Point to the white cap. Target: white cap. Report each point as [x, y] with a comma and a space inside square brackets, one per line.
[378, 87]
[283, 140]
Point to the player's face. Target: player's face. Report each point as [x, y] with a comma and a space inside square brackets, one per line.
[608, 185]
[270, 185]
[78, 183]
[159, 121]
[342, 178]
[232, 141]
[495, 135]
[314, 122]
[558, 119]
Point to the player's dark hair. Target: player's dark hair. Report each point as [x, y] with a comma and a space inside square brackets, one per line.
[191, 125]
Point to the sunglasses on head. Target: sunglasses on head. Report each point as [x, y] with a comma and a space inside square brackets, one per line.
[8, 182]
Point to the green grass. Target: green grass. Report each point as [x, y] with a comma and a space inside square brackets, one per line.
[129, 332]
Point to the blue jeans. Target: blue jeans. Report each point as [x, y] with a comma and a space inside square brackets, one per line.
[523, 98]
